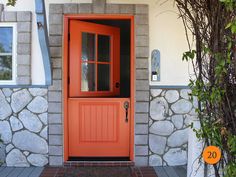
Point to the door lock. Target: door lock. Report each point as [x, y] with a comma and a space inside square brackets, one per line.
[117, 85]
[126, 106]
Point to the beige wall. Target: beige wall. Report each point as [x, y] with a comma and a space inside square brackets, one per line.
[166, 34]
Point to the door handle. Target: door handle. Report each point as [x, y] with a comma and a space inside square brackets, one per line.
[126, 106]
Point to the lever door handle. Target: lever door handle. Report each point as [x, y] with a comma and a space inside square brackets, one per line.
[126, 106]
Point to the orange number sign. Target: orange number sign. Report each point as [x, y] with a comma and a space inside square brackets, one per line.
[211, 155]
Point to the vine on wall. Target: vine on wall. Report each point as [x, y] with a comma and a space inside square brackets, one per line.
[213, 25]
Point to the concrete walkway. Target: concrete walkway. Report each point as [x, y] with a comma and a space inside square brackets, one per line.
[177, 171]
[20, 172]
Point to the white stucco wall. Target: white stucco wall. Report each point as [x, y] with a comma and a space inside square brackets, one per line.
[166, 34]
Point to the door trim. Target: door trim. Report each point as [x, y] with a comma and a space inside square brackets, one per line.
[65, 73]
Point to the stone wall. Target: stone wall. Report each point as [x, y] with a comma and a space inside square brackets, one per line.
[24, 126]
[171, 112]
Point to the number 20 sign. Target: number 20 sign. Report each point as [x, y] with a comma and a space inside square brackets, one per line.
[211, 155]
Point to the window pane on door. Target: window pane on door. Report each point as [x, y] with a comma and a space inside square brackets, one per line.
[103, 77]
[6, 34]
[88, 77]
[5, 68]
[88, 46]
[103, 48]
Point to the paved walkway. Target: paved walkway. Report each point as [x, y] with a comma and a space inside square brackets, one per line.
[93, 172]
[20, 172]
[178, 171]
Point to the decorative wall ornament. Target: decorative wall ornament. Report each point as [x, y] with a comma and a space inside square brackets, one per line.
[155, 65]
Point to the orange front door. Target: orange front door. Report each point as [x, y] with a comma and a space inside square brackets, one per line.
[98, 119]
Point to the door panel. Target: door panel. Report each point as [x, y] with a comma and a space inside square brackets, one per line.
[98, 127]
[94, 47]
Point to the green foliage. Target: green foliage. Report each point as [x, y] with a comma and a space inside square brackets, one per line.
[11, 2]
[215, 74]
[232, 26]
[230, 169]
[232, 144]
[210, 131]
[189, 55]
[230, 4]
[6, 75]
[6, 64]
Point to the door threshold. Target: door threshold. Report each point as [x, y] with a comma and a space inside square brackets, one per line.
[99, 159]
[98, 163]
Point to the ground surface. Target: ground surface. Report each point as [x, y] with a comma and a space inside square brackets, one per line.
[125, 171]
[99, 172]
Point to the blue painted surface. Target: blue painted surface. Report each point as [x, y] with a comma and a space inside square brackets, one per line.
[43, 39]
[155, 63]
[23, 86]
[169, 87]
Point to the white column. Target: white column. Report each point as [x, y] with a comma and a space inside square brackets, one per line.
[194, 168]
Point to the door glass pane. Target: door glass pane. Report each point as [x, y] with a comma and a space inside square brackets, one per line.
[5, 67]
[88, 77]
[6, 34]
[88, 46]
[103, 77]
[103, 48]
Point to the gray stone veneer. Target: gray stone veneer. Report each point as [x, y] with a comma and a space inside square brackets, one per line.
[171, 112]
[23, 20]
[140, 12]
[24, 127]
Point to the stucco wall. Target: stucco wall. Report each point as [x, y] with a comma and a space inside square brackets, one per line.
[166, 34]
